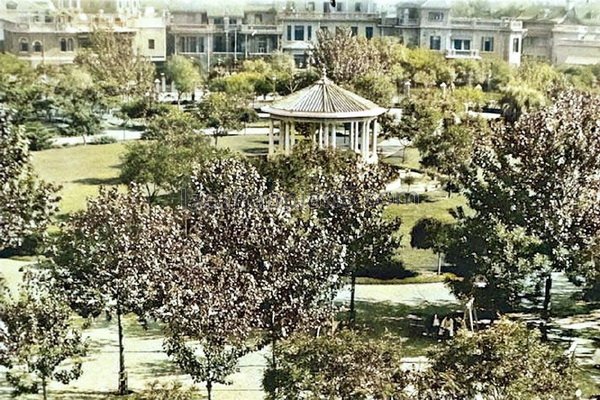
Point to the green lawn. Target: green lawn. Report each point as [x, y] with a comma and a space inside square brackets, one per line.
[80, 170]
[246, 144]
[436, 206]
[406, 158]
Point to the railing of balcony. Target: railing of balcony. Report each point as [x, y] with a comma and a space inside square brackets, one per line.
[454, 53]
[407, 22]
[487, 23]
[336, 15]
[262, 29]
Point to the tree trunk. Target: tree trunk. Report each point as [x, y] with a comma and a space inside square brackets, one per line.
[352, 296]
[122, 377]
[44, 392]
[546, 306]
[209, 390]
[439, 269]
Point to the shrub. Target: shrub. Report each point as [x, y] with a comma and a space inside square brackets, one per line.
[38, 136]
[167, 391]
[103, 140]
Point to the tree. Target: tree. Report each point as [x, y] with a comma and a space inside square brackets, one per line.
[184, 73]
[430, 233]
[115, 65]
[20, 88]
[448, 148]
[212, 301]
[114, 257]
[292, 259]
[345, 56]
[26, 203]
[507, 361]
[344, 365]
[166, 164]
[38, 343]
[80, 102]
[348, 202]
[221, 112]
[377, 88]
[215, 364]
[541, 174]
[507, 259]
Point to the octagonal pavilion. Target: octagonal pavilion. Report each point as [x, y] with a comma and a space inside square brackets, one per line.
[331, 113]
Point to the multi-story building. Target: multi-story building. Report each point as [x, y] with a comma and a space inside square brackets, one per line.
[430, 24]
[302, 19]
[213, 32]
[52, 32]
[562, 35]
[222, 32]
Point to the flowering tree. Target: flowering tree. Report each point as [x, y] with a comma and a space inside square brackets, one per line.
[115, 256]
[37, 342]
[542, 174]
[278, 245]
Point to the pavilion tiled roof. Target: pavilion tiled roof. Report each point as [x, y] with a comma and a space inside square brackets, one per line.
[324, 99]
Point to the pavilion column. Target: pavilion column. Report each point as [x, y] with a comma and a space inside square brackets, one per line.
[375, 132]
[356, 137]
[365, 140]
[333, 132]
[326, 136]
[351, 134]
[321, 135]
[292, 135]
[281, 135]
[271, 139]
[288, 126]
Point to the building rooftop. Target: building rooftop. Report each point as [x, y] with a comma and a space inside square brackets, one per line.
[324, 100]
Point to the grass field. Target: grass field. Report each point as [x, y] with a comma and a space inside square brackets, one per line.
[79, 170]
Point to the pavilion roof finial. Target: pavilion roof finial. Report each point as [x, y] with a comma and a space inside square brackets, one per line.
[324, 73]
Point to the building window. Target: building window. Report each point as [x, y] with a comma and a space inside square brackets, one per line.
[515, 45]
[369, 32]
[63, 45]
[70, 45]
[23, 45]
[299, 32]
[435, 42]
[436, 16]
[461, 44]
[339, 6]
[309, 32]
[354, 30]
[358, 6]
[326, 7]
[37, 47]
[289, 33]
[151, 44]
[487, 44]
[310, 6]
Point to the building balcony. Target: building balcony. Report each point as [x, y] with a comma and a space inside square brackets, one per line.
[192, 28]
[486, 24]
[332, 16]
[401, 22]
[262, 29]
[463, 54]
